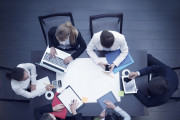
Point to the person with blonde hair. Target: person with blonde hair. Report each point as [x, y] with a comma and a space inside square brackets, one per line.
[66, 37]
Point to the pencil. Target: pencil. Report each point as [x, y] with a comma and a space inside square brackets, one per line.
[49, 85]
[107, 74]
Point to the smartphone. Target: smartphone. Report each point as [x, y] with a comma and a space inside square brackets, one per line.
[127, 79]
[107, 69]
[57, 83]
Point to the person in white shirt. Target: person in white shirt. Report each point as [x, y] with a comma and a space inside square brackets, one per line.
[23, 77]
[117, 109]
[107, 41]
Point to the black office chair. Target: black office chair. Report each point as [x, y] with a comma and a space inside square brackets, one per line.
[176, 94]
[6, 92]
[106, 22]
[52, 20]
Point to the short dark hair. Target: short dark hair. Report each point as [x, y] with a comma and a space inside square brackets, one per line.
[16, 74]
[111, 116]
[158, 85]
[106, 39]
[46, 116]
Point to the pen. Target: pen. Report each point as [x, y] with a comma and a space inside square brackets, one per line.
[49, 85]
[108, 74]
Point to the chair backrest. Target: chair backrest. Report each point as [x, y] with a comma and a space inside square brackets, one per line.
[106, 22]
[176, 94]
[6, 92]
[52, 20]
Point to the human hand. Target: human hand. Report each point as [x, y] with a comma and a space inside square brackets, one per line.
[49, 87]
[67, 60]
[111, 67]
[33, 87]
[53, 52]
[103, 65]
[109, 104]
[73, 106]
[103, 114]
[58, 108]
[133, 75]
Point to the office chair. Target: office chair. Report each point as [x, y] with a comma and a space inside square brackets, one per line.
[52, 20]
[6, 92]
[176, 94]
[106, 22]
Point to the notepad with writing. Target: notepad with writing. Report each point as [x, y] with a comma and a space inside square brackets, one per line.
[108, 96]
[110, 57]
[61, 114]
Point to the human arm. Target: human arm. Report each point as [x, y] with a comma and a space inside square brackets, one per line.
[144, 71]
[53, 42]
[90, 49]
[81, 48]
[73, 107]
[120, 111]
[32, 94]
[124, 50]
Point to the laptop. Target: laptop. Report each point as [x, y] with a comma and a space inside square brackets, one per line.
[54, 63]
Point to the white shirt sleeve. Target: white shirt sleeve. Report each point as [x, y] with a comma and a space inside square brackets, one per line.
[90, 50]
[32, 68]
[32, 94]
[122, 113]
[124, 52]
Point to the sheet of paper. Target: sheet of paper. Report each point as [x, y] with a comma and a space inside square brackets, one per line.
[84, 99]
[87, 79]
[41, 83]
[67, 95]
[121, 93]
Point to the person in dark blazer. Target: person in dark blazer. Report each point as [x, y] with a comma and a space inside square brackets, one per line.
[44, 112]
[66, 37]
[163, 84]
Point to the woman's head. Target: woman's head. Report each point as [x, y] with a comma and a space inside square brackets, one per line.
[65, 31]
[18, 74]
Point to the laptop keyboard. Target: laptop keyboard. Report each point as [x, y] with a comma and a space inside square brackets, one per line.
[55, 60]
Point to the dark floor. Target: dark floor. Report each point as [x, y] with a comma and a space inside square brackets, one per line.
[152, 25]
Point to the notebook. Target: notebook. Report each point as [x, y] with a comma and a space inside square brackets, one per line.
[108, 96]
[61, 114]
[110, 57]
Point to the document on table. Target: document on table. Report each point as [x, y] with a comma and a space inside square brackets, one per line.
[41, 83]
[68, 95]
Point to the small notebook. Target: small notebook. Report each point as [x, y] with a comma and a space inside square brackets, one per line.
[67, 95]
[108, 96]
[61, 114]
[110, 57]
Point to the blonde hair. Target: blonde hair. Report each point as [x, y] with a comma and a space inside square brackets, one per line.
[64, 30]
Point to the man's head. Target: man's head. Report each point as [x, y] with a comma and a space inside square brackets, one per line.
[106, 39]
[158, 85]
[48, 116]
